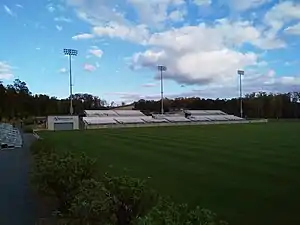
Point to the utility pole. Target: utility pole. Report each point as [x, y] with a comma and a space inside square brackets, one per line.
[162, 69]
[241, 73]
[70, 53]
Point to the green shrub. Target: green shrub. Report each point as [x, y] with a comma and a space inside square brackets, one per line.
[93, 204]
[60, 175]
[132, 198]
[169, 213]
[41, 146]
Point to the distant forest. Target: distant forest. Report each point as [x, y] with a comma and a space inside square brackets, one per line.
[16, 101]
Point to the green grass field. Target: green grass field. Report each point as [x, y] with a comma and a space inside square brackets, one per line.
[248, 174]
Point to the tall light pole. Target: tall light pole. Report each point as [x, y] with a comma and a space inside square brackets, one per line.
[70, 53]
[241, 73]
[161, 69]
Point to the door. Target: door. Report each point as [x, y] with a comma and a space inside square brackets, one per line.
[63, 126]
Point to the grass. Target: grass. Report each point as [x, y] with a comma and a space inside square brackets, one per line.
[248, 174]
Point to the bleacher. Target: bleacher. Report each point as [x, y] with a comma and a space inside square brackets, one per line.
[102, 118]
[10, 137]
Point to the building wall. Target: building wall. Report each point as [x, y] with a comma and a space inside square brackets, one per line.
[91, 127]
[51, 120]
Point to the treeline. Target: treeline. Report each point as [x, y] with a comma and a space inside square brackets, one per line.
[255, 105]
[16, 101]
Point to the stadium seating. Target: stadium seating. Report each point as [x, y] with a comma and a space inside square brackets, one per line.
[10, 137]
[150, 119]
[177, 119]
[123, 113]
[129, 120]
[198, 118]
[99, 120]
[126, 117]
[95, 113]
[204, 112]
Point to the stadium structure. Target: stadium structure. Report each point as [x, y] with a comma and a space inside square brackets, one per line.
[10, 137]
[96, 119]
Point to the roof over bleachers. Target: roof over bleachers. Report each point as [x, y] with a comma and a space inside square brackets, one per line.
[205, 112]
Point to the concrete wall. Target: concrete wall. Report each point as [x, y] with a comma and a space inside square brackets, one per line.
[51, 120]
[174, 124]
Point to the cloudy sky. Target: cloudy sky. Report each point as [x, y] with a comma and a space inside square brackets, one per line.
[120, 43]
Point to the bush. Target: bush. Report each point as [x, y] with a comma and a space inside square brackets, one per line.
[169, 213]
[61, 175]
[93, 204]
[132, 198]
[71, 180]
[40, 147]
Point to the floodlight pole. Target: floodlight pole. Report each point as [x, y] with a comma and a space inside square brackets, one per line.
[161, 69]
[71, 52]
[71, 88]
[241, 73]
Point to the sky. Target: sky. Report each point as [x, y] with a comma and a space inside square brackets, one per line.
[120, 43]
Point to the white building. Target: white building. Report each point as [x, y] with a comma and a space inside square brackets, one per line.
[63, 123]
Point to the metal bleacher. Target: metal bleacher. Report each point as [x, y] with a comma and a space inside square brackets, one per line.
[129, 120]
[131, 113]
[97, 118]
[99, 113]
[10, 137]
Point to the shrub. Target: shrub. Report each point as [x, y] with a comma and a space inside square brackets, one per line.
[169, 213]
[132, 198]
[93, 204]
[60, 175]
[41, 146]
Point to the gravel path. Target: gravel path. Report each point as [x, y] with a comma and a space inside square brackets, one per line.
[17, 203]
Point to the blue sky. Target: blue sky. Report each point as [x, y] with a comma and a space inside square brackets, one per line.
[120, 42]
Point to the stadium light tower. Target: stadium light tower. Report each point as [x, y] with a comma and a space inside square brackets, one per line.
[70, 53]
[241, 73]
[162, 69]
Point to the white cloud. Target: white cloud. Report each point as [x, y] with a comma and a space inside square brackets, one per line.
[149, 85]
[242, 5]
[5, 71]
[19, 6]
[202, 2]
[157, 12]
[89, 67]
[97, 12]
[207, 54]
[59, 28]
[204, 54]
[62, 19]
[96, 51]
[138, 33]
[8, 10]
[63, 70]
[281, 14]
[50, 8]
[83, 36]
[177, 15]
[202, 67]
[294, 30]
